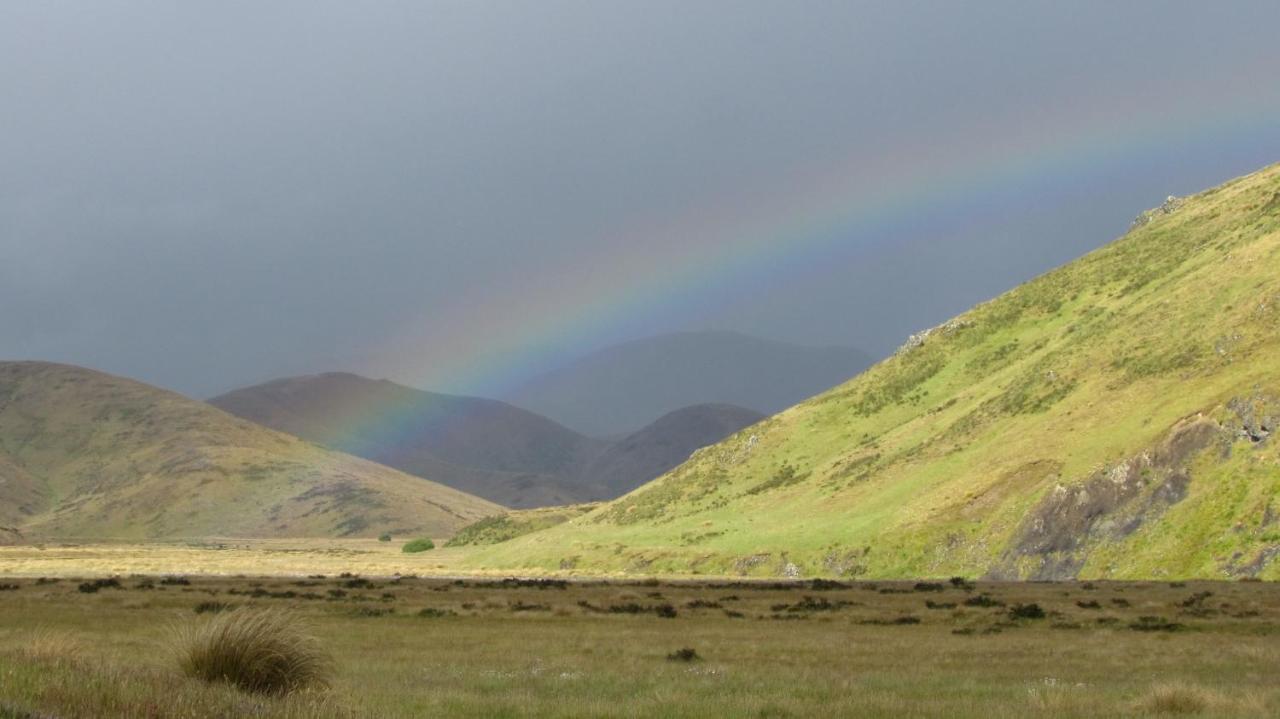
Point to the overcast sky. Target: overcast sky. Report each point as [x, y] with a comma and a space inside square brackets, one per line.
[208, 194]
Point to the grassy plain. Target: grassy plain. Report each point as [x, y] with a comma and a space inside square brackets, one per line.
[489, 647]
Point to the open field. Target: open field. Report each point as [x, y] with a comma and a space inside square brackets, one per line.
[484, 647]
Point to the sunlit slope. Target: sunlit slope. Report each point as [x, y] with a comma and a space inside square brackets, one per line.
[1110, 418]
[88, 455]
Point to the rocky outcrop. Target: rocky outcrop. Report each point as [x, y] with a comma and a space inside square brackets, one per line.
[1168, 207]
[1054, 540]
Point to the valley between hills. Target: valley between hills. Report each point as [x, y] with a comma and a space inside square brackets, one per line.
[1111, 418]
[852, 555]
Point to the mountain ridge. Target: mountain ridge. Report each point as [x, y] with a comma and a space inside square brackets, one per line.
[484, 447]
[1110, 418]
[88, 454]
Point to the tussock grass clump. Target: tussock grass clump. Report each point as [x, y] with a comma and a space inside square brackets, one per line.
[260, 651]
[50, 645]
[1175, 699]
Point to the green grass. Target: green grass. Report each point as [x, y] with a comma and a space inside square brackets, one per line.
[940, 459]
[414, 546]
[515, 523]
[405, 647]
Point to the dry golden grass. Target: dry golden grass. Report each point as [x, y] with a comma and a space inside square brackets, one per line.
[1177, 699]
[46, 644]
[483, 647]
[266, 651]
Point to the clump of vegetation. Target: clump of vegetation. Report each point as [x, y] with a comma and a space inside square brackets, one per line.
[93, 586]
[50, 645]
[983, 600]
[786, 475]
[384, 537]
[1174, 699]
[176, 581]
[684, 655]
[212, 607]
[1026, 611]
[1088, 604]
[1154, 624]
[414, 546]
[433, 613]
[266, 652]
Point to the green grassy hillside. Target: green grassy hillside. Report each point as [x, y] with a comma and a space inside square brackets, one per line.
[87, 455]
[1110, 418]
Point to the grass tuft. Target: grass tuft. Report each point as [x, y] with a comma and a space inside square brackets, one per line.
[50, 645]
[1175, 699]
[260, 651]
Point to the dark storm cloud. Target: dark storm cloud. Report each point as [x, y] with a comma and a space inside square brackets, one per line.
[207, 194]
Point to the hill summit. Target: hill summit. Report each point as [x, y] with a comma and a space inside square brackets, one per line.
[88, 455]
[1115, 417]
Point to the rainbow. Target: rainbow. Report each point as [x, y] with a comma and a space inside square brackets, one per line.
[494, 335]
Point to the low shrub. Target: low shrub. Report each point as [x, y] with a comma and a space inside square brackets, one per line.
[93, 586]
[260, 651]
[684, 655]
[384, 537]
[414, 546]
[1154, 624]
[433, 613]
[1026, 611]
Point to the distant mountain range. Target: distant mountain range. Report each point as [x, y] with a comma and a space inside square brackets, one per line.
[484, 447]
[620, 389]
[88, 455]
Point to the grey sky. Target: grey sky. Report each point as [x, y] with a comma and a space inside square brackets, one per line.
[202, 195]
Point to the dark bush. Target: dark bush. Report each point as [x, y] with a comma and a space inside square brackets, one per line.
[1154, 624]
[1026, 611]
[93, 586]
[983, 600]
[683, 655]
